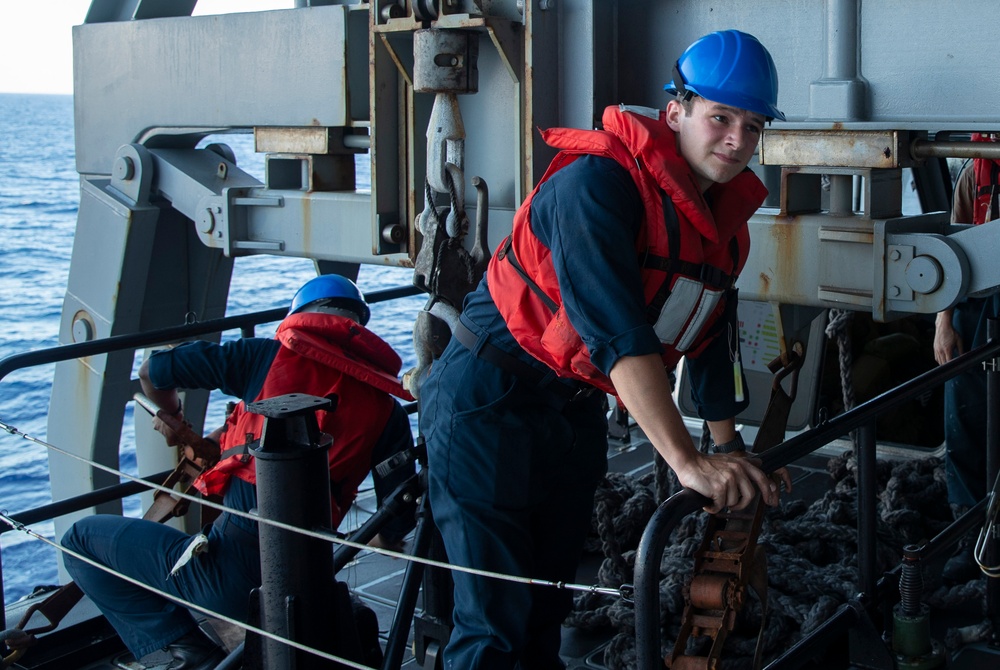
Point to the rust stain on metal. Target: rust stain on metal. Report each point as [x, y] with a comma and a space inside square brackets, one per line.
[83, 395]
[307, 222]
[785, 238]
[765, 283]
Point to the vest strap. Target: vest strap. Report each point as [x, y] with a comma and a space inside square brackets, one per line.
[994, 207]
[242, 450]
[507, 252]
[707, 274]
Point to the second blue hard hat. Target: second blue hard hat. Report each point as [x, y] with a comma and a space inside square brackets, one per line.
[730, 67]
[332, 291]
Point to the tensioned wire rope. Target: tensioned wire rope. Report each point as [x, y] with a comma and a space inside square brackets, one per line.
[623, 592]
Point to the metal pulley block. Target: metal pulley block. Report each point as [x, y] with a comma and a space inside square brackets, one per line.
[447, 271]
[445, 63]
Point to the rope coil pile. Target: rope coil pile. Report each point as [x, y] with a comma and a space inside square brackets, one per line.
[812, 558]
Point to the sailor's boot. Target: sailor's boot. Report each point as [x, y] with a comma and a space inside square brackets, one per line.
[195, 651]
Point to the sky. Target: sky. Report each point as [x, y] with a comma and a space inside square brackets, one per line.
[36, 39]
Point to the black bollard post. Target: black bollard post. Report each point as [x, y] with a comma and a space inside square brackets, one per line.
[297, 594]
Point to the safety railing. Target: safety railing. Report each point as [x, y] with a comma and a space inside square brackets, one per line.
[245, 322]
[862, 418]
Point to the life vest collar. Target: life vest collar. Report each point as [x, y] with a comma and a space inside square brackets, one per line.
[642, 140]
[345, 345]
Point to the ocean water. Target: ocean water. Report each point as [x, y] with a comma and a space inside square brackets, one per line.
[39, 197]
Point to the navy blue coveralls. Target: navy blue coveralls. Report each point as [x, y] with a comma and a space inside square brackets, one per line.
[514, 464]
[965, 408]
[222, 578]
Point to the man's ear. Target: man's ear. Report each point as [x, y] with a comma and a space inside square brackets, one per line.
[673, 113]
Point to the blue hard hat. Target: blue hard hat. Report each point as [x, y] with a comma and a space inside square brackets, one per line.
[332, 291]
[732, 68]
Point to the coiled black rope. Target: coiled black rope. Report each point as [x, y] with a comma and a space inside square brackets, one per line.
[812, 558]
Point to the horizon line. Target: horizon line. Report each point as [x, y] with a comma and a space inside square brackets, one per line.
[34, 93]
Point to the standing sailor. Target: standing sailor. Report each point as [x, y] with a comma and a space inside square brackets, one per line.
[957, 330]
[621, 261]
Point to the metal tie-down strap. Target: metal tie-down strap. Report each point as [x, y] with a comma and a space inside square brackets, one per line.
[729, 559]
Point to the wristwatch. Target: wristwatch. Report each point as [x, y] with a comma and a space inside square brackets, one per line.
[735, 444]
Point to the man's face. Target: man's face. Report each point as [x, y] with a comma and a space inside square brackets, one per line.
[716, 140]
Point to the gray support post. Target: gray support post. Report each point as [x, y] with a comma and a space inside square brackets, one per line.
[112, 249]
[841, 195]
[136, 266]
[842, 93]
[293, 487]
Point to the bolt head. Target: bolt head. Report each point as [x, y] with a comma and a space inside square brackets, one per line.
[206, 222]
[83, 330]
[124, 169]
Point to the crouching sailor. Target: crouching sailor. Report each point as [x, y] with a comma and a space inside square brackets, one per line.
[321, 348]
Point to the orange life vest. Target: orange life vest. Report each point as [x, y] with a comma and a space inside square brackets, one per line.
[987, 173]
[685, 276]
[321, 355]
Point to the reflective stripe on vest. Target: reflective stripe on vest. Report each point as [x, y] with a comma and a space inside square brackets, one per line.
[690, 292]
[689, 303]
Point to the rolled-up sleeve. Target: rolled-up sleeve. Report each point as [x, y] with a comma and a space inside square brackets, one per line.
[588, 215]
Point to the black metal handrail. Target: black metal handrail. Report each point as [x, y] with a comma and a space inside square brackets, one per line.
[85, 500]
[245, 322]
[669, 514]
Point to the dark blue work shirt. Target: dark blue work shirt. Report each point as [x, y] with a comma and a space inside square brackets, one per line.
[237, 368]
[588, 215]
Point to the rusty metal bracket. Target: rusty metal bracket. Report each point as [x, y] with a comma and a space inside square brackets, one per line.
[53, 608]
